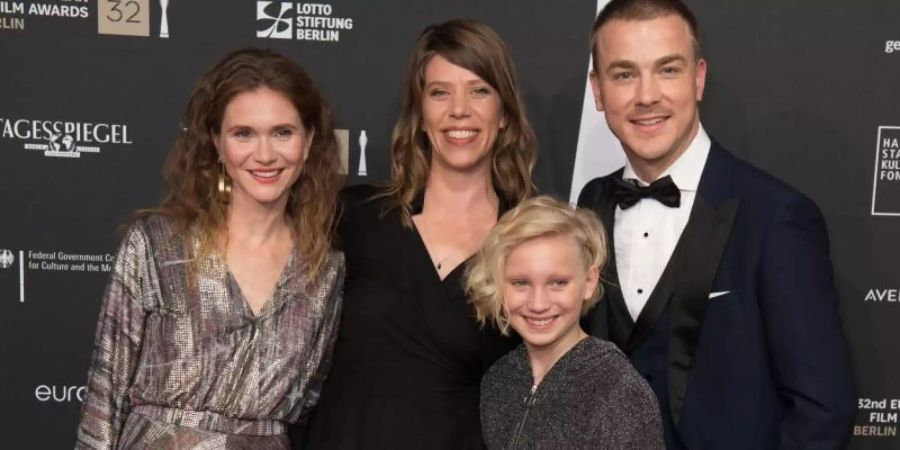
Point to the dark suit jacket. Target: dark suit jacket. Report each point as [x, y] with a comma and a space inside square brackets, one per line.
[763, 366]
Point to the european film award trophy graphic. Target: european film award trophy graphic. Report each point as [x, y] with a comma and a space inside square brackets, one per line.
[164, 23]
[363, 140]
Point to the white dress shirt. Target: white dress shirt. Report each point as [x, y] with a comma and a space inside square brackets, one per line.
[646, 233]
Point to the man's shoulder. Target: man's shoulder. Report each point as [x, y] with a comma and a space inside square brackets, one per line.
[750, 182]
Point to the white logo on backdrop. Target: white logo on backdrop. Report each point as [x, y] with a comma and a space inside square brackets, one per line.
[61, 143]
[363, 141]
[164, 23]
[300, 21]
[598, 152]
[273, 14]
[62, 9]
[130, 17]
[883, 295]
[60, 394]
[12, 23]
[7, 259]
[63, 139]
[886, 180]
[891, 46]
[343, 139]
[58, 261]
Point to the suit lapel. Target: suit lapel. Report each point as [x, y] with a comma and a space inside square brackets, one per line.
[686, 281]
[656, 302]
[700, 249]
[695, 251]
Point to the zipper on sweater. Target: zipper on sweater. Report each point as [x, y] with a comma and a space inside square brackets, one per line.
[529, 402]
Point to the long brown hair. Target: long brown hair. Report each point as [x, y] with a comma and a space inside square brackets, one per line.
[191, 170]
[477, 48]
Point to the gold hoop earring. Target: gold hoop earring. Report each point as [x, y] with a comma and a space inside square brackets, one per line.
[224, 185]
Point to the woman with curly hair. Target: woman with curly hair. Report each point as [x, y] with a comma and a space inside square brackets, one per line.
[217, 326]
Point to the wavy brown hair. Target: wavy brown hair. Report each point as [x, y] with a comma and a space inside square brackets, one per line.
[191, 170]
[477, 48]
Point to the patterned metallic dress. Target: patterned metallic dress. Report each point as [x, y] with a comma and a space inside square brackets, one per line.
[182, 362]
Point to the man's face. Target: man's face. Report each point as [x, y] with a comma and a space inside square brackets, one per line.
[648, 83]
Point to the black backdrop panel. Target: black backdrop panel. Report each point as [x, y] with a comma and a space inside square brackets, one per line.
[90, 98]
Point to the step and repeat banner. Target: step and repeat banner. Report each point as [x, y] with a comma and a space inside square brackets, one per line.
[91, 92]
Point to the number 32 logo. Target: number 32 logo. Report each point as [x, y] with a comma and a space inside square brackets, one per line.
[124, 17]
[116, 14]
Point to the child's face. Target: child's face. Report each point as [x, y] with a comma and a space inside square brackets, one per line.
[545, 283]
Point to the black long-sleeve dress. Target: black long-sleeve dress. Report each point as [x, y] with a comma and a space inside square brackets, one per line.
[410, 355]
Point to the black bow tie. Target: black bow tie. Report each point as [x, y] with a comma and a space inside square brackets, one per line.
[628, 192]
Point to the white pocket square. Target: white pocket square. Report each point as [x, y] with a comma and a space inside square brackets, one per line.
[713, 295]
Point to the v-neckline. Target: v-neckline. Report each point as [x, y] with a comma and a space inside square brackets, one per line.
[270, 298]
[427, 255]
[417, 207]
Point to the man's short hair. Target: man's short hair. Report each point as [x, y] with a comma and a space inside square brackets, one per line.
[644, 10]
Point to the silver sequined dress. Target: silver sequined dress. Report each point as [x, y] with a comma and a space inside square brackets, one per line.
[181, 362]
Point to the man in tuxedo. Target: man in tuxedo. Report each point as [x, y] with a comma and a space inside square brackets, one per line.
[719, 287]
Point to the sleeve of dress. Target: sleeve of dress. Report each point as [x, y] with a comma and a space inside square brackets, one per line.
[323, 345]
[117, 345]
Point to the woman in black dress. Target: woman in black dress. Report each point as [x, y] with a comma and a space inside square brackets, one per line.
[410, 355]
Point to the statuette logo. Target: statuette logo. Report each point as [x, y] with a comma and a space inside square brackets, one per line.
[164, 23]
[363, 141]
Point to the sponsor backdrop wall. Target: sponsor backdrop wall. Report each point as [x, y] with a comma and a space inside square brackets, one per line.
[91, 92]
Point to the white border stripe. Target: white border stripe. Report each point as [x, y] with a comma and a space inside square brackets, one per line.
[597, 152]
[21, 276]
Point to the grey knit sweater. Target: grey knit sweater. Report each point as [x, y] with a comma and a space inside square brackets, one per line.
[592, 398]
